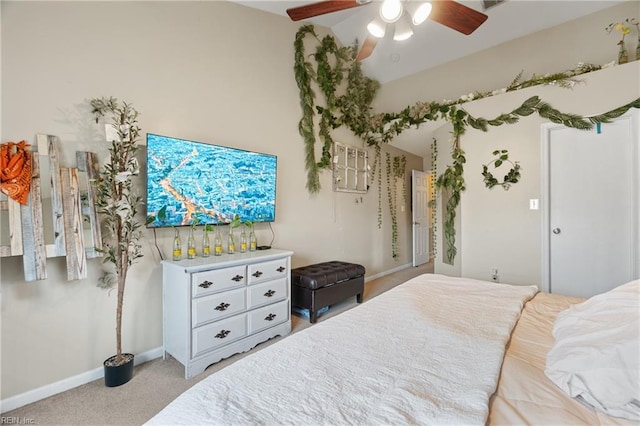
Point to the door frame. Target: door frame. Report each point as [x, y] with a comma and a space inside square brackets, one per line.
[545, 139]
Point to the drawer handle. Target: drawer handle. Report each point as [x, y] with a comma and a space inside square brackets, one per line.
[222, 306]
[222, 334]
[257, 274]
[205, 284]
[281, 269]
[237, 278]
[269, 293]
[270, 317]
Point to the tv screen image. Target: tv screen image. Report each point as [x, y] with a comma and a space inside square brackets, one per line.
[193, 180]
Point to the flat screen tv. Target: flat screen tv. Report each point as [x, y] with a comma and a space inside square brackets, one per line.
[189, 180]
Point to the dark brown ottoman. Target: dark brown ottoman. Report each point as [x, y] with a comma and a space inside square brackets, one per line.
[322, 284]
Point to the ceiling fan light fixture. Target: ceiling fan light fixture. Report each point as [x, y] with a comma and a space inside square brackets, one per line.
[420, 13]
[403, 30]
[390, 10]
[377, 28]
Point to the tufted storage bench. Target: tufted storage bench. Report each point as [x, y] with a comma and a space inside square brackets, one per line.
[322, 284]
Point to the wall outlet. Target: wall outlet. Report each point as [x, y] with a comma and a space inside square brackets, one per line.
[495, 277]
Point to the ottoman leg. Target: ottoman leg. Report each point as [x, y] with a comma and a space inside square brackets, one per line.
[359, 297]
[313, 316]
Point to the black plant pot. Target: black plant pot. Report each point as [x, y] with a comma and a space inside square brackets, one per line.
[116, 375]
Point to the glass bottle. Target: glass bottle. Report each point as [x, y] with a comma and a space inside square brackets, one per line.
[231, 245]
[191, 246]
[253, 241]
[217, 243]
[243, 241]
[623, 56]
[177, 246]
[206, 247]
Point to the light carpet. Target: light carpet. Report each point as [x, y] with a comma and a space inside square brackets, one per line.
[156, 383]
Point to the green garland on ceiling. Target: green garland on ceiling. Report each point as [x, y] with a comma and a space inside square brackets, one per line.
[353, 110]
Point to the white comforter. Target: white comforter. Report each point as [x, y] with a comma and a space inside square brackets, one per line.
[426, 352]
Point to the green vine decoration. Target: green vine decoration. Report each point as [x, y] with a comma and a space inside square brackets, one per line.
[399, 168]
[391, 195]
[433, 202]
[377, 167]
[304, 75]
[512, 176]
[353, 110]
[395, 170]
[451, 181]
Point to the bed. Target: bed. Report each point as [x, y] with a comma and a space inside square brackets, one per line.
[434, 350]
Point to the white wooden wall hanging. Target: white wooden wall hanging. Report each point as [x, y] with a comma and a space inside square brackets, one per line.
[350, 169]
[74, 230]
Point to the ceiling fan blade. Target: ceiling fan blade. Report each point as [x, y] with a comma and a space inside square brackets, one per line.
[456, 16]
[367, 48]
[321, 8]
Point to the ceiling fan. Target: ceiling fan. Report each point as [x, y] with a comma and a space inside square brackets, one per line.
[401, 13]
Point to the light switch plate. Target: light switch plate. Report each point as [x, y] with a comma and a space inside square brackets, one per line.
[533, 204]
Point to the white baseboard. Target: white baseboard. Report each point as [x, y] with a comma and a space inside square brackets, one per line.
[387, 272]
[46, 391]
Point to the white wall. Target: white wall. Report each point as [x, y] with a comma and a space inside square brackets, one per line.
[499, 229]
[555, 49]
[496, 229]
[209, 71]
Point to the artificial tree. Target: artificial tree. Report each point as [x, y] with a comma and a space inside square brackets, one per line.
[118, 202]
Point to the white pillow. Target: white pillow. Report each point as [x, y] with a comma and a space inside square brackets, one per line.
[596, 354]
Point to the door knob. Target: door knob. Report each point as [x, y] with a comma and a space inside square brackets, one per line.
[556, 231]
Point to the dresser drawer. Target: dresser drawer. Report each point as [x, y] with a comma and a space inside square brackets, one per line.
[219, 333]
[217, 306]
[268, 316]
[208, 282]
[264, 271]
[264, 293]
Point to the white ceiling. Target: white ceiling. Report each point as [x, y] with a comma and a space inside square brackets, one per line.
[433, 44]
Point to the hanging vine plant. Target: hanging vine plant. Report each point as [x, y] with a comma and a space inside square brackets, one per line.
[399, 170]
[433, 202]
[391, 196]
[353, 110]
[395, 170]
[377, 167]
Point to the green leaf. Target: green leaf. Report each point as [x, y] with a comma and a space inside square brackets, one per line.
[162, 213]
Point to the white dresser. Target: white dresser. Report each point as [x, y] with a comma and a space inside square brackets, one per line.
[221, 305]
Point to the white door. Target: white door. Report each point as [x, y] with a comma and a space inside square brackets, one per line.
[420, 216]
[590, 235]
